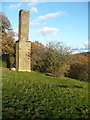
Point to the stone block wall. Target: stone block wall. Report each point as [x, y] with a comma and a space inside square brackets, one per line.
[23, 46]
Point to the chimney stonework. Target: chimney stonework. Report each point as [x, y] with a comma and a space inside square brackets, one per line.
[23, 46]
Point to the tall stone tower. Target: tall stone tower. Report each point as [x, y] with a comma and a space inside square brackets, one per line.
[23, 46]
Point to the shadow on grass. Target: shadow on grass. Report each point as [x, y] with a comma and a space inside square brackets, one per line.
[65, 86]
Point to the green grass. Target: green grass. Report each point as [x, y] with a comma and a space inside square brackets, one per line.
[35, 96]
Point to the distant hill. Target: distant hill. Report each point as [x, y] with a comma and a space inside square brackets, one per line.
[87, 54]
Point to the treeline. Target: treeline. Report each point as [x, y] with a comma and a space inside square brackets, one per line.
[79, 68]
[55, 58]
[7, 42]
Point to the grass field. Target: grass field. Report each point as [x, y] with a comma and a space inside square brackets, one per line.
[35, 96]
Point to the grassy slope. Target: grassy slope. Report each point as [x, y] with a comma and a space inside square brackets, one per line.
[37, 96]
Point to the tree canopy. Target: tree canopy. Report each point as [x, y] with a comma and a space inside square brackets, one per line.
[54, 58]
[5, 23]
[7, 35]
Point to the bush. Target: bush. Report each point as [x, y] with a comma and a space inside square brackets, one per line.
[8, 60]
[12, 60]
[53, 58]
[36, 48]
[79, 69]
[5, 61]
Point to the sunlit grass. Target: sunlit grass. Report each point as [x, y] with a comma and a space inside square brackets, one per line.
[37, 96]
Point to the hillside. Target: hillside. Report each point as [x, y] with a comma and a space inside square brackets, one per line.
[36, 96]
[86, 54]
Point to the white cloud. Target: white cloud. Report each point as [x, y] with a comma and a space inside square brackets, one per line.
[39, 19]
[35, 23]
[16, 34]
[14, 5]
[87, 44]
[16, 30]
[52, 15]
[80, 51]
[47, 31]
[86, 48]
[32, 3]
[34, 9]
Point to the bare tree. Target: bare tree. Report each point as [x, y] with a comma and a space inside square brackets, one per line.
[54, 58]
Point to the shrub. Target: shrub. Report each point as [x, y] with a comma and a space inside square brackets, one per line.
[12, 60]
[54, 58]
[79, 69]
[8, 60]
[36, 48]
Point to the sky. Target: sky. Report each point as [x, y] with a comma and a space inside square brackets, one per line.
[65, 22]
